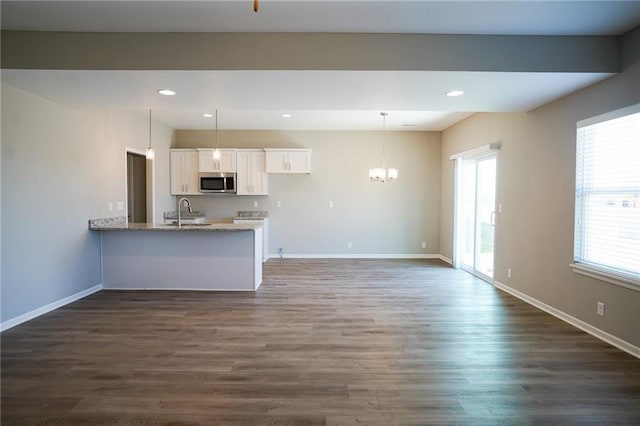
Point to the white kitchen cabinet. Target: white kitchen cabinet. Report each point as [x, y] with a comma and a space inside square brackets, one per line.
[251, 177]
[288, 160]
[184, 172]
[226, 163]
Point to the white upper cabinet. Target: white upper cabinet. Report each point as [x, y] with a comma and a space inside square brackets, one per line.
[226, 163]
[251, 178]
[184, 172]
[280, 160]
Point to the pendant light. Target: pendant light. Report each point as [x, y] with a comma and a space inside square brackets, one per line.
[380, 174]
[216, 152]
[151, 153]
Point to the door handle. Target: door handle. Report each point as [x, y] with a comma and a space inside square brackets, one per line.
[493, 218]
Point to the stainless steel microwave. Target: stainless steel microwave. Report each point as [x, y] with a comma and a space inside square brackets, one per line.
[217, 182]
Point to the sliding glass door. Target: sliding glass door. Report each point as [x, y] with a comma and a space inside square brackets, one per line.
[475, 211]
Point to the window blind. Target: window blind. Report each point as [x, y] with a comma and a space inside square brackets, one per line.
[607, 204]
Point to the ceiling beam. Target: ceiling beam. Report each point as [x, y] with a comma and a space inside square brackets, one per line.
[309, 51]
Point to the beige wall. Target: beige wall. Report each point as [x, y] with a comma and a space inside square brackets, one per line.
[61, 167]
[377, 218]
[536, 175]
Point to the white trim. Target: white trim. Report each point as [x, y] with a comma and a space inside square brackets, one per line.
[177, 289]
[597, 274]
[358, 256]
[151, 190]
[594, 331]
[48, 308]
[457, 201]
[445, 259]
[484, 149]
[611, 115]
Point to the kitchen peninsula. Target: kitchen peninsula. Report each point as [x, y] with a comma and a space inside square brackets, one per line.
[211, 256]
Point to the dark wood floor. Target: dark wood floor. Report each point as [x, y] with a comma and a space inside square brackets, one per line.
[335, 342]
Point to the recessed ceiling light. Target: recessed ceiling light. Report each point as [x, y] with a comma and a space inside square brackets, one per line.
[408, 125]
[166, 92]
[454, 93]
[207, 115]
[286, 115]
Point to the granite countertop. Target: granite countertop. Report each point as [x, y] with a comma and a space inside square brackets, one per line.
[252, 215]
[184, 215]
[120, 224]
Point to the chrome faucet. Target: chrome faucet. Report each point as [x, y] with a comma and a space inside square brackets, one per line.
[187, 203]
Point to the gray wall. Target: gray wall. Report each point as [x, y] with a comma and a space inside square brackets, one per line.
[377, 218]
[61, 167]
[536, 178]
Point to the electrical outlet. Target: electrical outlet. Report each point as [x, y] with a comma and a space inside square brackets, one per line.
[600, 309]
[330, 204]
[278, 203]
[424, 244]
[110, 206]
[349, 245]
[255, 204]
[120, 205]
[509, 273]
[500, 208]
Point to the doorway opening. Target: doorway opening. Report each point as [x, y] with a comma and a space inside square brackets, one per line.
[139, 187]
[475, 213]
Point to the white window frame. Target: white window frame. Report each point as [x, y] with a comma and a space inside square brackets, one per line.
[599, 272]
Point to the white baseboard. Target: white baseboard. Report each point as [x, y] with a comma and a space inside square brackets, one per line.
[594, 331]
[48, 308]
[177, 289]
[358, 256]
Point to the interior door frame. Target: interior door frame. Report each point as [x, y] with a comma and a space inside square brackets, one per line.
[479, 152]
[150, 172]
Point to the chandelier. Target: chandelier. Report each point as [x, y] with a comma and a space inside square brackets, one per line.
[381, 174]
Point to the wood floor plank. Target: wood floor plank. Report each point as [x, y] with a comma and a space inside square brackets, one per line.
[323, 342]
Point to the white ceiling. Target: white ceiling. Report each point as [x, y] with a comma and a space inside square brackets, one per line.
[318, 100]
